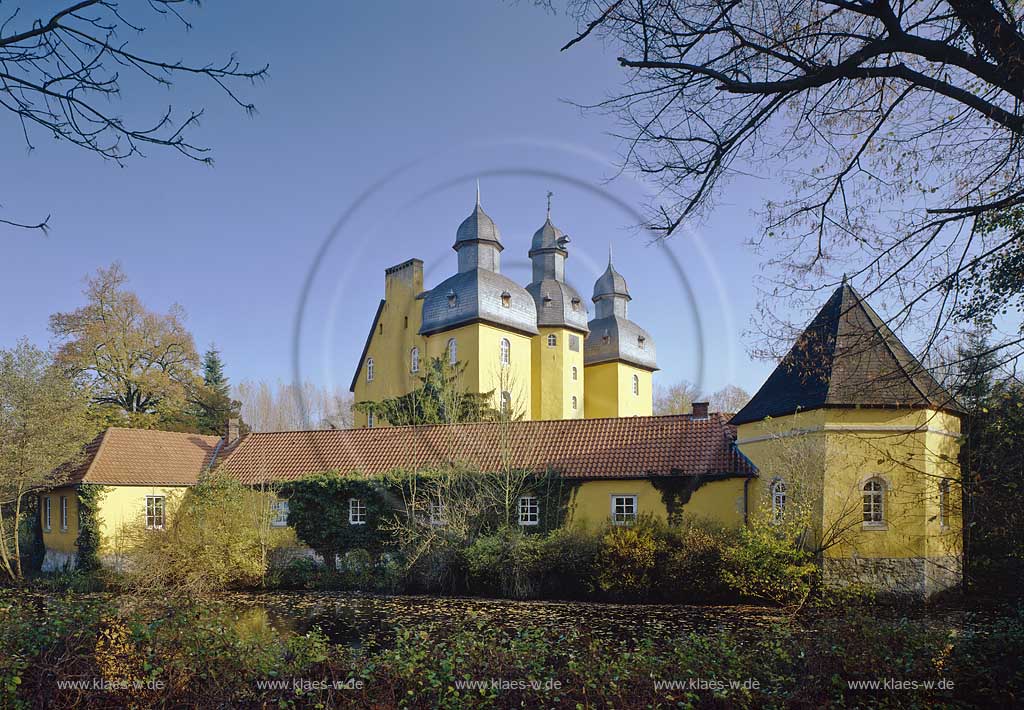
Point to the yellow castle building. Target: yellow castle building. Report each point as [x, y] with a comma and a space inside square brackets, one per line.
[533, 347]
[850, 435]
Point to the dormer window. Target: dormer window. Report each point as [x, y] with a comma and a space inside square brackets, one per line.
[453, 300]
[576, 304]
[506, 299]
[606, 338]
[547, 300]
[641, 342]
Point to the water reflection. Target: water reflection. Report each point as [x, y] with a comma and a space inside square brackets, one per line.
[367, 620]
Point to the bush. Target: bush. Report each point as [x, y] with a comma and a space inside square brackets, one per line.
[568, 563]
[299, 573]
[690, 561]
[627, 560]
[211, 542]
[506, 564]
[762, 564]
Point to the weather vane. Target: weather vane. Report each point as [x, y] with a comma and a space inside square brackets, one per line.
[550, 195]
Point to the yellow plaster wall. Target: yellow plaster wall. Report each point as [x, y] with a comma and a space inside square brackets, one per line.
[910, 450]
[55, 538]
[123, 506]
[609, 391]
[394, 335]
[553, 386]
[720, 501]
[516, 378]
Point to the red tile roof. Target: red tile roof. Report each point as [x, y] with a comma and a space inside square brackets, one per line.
[627, 447]
[136, 457]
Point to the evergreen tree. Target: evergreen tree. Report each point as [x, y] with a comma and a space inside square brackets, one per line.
[440, 399]
[212, 401]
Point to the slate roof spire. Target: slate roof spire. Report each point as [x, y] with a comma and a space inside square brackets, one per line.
[847, 357]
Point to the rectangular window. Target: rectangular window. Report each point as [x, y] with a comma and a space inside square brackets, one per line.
[623, 510]
[436, 513]
[356, 512]
[279, 513]
[46, 512]
[63, 513]
[529, 510]
[574, 343]
[154, 512]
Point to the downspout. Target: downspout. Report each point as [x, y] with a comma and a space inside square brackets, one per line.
[746, 501]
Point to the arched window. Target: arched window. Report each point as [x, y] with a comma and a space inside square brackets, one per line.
[506, 402]
[369, 420]
[453, 351]
[636, 385]
[778, 499]
[874, 502]
[369, 369]
[414, 360]
[552, 340]
[575, 404]
[506, 351]
[506, 299]
[575, 373]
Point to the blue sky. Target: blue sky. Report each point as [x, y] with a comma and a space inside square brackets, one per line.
[384, 115]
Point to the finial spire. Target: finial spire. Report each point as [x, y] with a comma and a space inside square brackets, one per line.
[609, 253]
[550, 195]
[844, 278]
[478, 192]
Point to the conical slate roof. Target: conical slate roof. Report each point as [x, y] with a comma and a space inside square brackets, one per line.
[611, 283]
[478, 226]
[846, 357]
[548, 237]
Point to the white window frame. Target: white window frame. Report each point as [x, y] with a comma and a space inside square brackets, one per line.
[505, 352]
[453, 351]
[152, 517]
[356, 511]
[370, 420]
[279, 513]
[529, 510]
[63, 513]
[552, 340]
[575, 403]
[575, 374]
[944, 507]
[636, 385]
[873, 511]
[436, 510]
[414, 359]
[47, 513]
[369, 369]
[778, 493]
[620, 505]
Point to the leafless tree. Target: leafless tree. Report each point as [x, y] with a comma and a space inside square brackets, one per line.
[899, 127]
[58, 74]
[291, 407]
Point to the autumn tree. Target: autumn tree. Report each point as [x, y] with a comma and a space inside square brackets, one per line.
[61, 73]
[43, 425]
[138, 363]
[896, 129]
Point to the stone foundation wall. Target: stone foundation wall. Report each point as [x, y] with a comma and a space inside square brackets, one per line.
[56, 561]
[918, 577]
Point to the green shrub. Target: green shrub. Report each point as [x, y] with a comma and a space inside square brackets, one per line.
[690, 563]
[568, 563]
[626, 564]
[762, 564]
[506, 563]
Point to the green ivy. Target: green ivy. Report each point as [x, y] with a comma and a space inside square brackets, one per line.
[88, 542]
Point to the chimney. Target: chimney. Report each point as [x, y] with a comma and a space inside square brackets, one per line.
[232, 433]
[700, 410]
